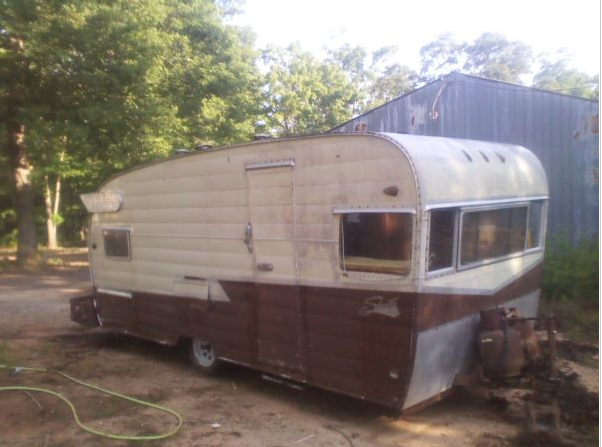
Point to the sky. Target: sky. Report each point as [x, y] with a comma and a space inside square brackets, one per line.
[546, 26]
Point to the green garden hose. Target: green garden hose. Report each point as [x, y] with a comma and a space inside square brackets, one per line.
[173, 413]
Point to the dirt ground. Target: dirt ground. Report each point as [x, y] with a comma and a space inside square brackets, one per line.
[238, 408]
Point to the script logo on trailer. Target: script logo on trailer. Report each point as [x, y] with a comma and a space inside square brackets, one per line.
[379, 305]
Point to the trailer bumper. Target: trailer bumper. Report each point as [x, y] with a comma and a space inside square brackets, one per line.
[83, 310]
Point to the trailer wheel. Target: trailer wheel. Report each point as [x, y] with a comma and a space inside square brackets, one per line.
[203, 357]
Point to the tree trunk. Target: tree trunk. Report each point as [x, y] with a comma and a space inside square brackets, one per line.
[52, 209]
[15, 147]
[26, 238]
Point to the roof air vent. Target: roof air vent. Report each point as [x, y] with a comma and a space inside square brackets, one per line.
[468, 157]
[485, 157]
[501, 157]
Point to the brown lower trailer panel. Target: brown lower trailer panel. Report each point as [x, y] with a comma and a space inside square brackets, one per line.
[355, 342]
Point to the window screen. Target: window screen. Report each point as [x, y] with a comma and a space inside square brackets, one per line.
[117, 243]
[493, 233]
[376, 242]
[441, 241]
[534, 228]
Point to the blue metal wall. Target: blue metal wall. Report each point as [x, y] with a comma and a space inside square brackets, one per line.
[561, 130]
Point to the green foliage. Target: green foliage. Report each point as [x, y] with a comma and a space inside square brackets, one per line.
[493, 56]
[8, 238]
[394, 80]
[103, 86]
[557, 75]
[579, 318]
[571, 270]
[57, 219]
[440, 57]
[303, 94]
[571, 286]
[8, 228]
[490, 55]
[374, 77]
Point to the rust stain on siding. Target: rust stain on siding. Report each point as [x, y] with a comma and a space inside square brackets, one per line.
[352, 341]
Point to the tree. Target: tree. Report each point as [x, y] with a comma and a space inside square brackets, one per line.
[303, 94]
[88, 88]
[491, 55]
[389, 79]
[440, 57]
[14, 66]
[558, 76]
[374, 76]
[352, 61]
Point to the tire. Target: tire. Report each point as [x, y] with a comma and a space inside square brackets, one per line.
[203, 357]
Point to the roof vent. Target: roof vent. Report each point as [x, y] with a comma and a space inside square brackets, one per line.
[182, 151]
[202, 147]
[485, 157]
[262, 136]
[468, 157]
[501, 157]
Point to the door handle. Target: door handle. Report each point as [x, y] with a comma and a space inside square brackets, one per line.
[248, 236]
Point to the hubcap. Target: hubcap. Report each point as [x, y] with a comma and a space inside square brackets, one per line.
[203, 352]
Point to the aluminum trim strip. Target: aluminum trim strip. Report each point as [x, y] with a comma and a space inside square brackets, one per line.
[114, 292]
[478, 203]
[373, 210]
[270, 164]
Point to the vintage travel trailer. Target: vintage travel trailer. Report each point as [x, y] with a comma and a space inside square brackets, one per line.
[354, 262]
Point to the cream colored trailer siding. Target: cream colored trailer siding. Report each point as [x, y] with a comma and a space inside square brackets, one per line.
[188, 215]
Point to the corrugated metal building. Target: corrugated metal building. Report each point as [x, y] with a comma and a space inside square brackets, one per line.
[561, 130]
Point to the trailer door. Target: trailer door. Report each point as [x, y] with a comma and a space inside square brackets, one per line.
[273, 247]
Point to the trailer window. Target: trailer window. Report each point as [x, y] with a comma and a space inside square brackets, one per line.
[376, 242]
[117, 242]
[492, 234]
[441, 241]
[534, 228]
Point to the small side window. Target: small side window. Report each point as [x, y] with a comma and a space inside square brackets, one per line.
[441, 241]
[117, 243]
[376, 242]
[534, 227]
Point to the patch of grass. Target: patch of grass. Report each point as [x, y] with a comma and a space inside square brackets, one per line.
[571, 287]
[54, 261]
[579, 318]
[571, 270]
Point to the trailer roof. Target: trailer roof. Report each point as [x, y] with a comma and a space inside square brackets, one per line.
[452, 170]
[448, 170]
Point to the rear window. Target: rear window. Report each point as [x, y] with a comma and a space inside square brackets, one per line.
[117, 243]
[376, 242]
[491, 234]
